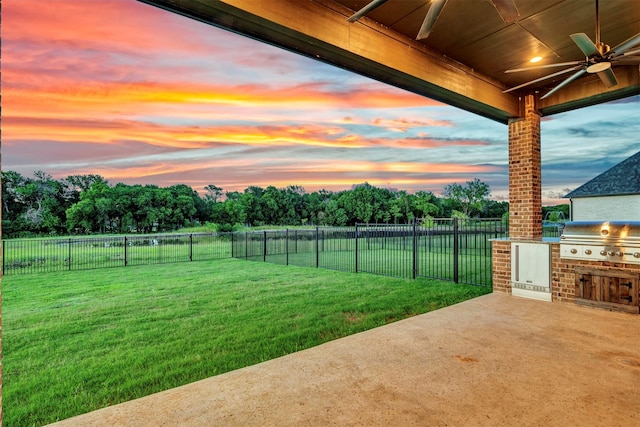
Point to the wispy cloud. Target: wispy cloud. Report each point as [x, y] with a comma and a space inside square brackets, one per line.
[404, 125]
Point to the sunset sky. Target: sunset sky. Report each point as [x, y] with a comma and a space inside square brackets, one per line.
[140, 95]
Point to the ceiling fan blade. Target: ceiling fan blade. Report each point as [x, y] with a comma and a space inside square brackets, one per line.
[626, 60]
[627, 44]
[564, 83]
[537, 67]
[506, 9]
[585, 44]
[608, 78]
[543, 78]
[431, 18]
[366, 10]
[632, 52]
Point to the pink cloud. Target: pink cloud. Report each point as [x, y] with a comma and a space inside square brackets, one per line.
[110, 25]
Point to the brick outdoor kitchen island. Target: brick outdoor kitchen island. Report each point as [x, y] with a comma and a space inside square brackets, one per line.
[525, 222]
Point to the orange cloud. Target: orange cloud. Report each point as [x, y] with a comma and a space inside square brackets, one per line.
[58, 98]
[187, 136]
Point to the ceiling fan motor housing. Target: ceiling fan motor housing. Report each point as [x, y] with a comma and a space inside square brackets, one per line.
[603, 48]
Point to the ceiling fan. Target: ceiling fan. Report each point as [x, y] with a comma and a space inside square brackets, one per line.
[506, 9]
[599, 58]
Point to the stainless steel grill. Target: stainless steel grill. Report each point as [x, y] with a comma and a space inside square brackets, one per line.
[610, 241]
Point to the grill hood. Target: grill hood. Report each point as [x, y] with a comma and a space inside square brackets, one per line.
[607, 233]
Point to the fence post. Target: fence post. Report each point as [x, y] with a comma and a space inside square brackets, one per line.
[356, 234]
[3, 256]
[191, 247]
[484, 237]
[125, 251]
[246, 245]
[385, 231]
[317, 252]
[264, 247]
[286, 244]
[69, 258]
[415, 249]
[456, 236]
[232, 245]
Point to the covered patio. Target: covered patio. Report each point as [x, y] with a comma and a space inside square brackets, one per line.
[495, 360]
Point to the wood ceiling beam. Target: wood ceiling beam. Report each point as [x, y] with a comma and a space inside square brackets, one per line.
[319, 29]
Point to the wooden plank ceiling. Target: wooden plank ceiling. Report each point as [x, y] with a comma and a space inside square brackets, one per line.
[463, 60]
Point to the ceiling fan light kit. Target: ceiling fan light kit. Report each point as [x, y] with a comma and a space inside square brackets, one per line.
[598, 67]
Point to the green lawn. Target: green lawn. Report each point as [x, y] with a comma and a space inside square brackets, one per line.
[81, 340]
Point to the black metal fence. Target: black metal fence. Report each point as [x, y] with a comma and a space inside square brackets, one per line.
[450, 249]
[83, 253]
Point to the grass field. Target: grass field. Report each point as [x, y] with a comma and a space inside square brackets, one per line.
[81, 340]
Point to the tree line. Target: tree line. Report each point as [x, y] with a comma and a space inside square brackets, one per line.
[83, 204]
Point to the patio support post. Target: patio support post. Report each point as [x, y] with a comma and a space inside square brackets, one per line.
[525, 191]
[525, 180]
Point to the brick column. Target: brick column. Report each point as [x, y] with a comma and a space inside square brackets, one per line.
[525, 179]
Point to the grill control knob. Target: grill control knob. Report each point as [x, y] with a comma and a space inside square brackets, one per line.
[603, 252]
[636, 254]
[611, 253]
[618, 253]
[574, 251]
[587, 251]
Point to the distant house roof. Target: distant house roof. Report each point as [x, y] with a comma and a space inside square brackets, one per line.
[623, 178]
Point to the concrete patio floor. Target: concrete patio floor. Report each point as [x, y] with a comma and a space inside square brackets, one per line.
[496, 360]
